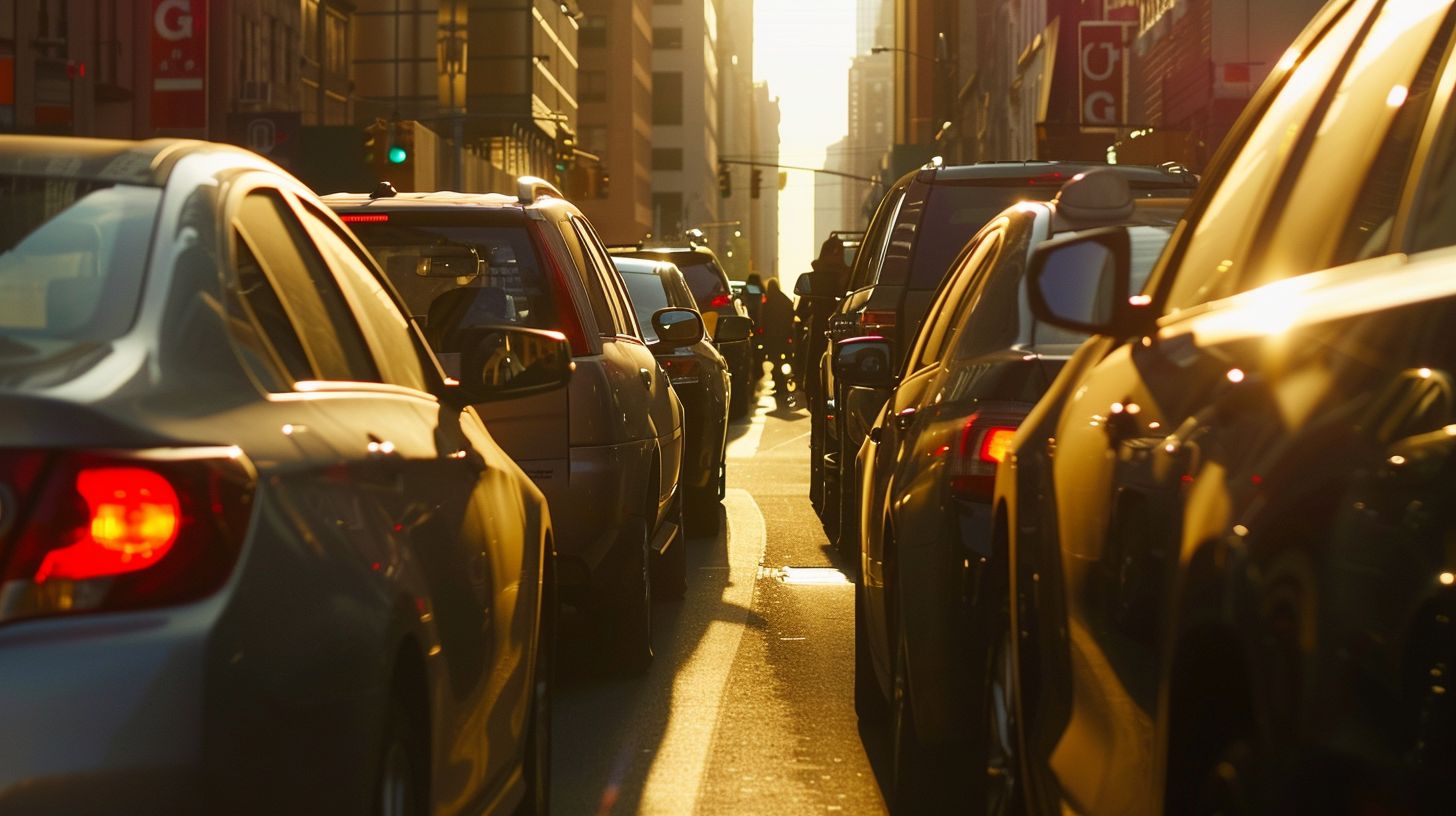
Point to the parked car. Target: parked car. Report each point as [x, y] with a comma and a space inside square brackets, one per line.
[714, 296]
[750, 292]
[921, 225]
[699, 375]
[257, 554]
[607, 451]
[1225, 530]
[977, 366]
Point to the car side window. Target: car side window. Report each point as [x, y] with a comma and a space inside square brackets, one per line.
[305, 288]
[900, 242]
[590, 280]
[939, 325]
[260, 325]
[394, 341]
[990, 315]
[871, 253]
[1433, 215]
[1210, 264]
[611, 280]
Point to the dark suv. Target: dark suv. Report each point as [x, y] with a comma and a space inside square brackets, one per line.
[917, 231]
[715, 296]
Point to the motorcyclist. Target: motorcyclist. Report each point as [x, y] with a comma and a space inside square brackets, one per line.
[777, 317]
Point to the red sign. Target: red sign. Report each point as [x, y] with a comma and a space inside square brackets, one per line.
[179, 64]
[1102, 68]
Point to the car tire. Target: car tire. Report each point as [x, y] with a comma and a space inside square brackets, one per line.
[924, 779]
[401, 787]
[704, 515]
[628, 617]
[740, 397]
[869, 700]
[536, 762]
[670, 568]
[1000, 783]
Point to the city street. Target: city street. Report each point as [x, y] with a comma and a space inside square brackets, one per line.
[748, 707]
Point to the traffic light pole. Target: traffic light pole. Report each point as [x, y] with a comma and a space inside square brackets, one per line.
[777, 166]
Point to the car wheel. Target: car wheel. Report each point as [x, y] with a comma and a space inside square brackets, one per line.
[402, 785]
[670, 568]
[703, 513]
[924, 779]
[630, 614]
[1001, 784]
[536, 764]
[847, 538]
[869, 701]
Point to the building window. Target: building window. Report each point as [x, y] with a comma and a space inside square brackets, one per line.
[667, 98]
[594, 139]
[310, 30]
[593, 32]
[336, 43]
[667, 158]
[593, 86]
[667, 38]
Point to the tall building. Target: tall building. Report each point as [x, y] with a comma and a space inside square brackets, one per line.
[870, 111]
[764, 220]
[615, 92]
[685, 117]
[831, 192]
[738, 139]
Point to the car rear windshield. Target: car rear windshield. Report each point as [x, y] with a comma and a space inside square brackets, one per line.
[1147, 244]
[454, 272]
[648, 295]
[955, 212]
[73, 254]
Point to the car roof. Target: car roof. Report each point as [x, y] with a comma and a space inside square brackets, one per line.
[1012, 170]
[121, 161]
[641, 266]
[443, 198]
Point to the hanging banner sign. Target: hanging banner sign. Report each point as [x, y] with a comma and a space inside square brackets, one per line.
[179, 64]
[1102, 70]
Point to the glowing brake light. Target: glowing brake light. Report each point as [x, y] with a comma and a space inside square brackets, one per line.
[996, 444]
[720, 301]
[877, 317]
[364, 218]
[134, 516]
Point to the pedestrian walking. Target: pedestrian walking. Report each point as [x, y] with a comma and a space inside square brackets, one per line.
[778, 336]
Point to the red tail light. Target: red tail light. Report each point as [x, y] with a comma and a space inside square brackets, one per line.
[719, 301]
[985, 443]
[1054, 177]
[680, 367]
[364, 218]
[570, 321]
[877, 318]
[97, 532]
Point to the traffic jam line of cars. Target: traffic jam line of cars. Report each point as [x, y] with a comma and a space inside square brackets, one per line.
[290, 488]
[1148, 482]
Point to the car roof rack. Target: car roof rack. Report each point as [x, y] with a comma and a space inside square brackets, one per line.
[529, 189]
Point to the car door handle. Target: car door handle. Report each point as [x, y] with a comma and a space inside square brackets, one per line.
[646, 377]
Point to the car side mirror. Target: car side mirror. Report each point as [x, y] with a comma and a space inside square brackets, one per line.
[510, 362]
[804, 286]
[732, 329]
[677, 327]
[865, 362]
[1080, 282]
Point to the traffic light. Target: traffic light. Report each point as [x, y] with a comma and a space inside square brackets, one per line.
[725, 181]
[565, 148]
[376, 138]
[401, 143]
[755, 183]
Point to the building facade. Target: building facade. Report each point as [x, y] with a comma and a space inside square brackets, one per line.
[615, 92]
[685, 100]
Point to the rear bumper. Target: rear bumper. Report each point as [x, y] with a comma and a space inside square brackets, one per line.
[602, 489]
[104, 714]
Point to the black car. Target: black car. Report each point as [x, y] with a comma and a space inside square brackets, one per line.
[713, 295]
[921, 225]
[699, 375]
[257, 554]
[1227, 529]
[977, 366]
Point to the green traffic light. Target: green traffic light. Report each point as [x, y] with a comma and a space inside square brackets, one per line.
[397, 155]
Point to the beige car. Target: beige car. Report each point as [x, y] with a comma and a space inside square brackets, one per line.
[606, 451]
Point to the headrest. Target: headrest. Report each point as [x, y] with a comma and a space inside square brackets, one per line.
[1097, 196]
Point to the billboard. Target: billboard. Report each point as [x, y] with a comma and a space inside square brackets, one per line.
[179, 64]
[1102, 73]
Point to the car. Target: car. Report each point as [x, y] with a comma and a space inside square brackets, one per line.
[714, 296]
[607, 450]
[1224, 532]
[699, 374]
[920, 226]
[257, 553]
[818, 295]
[976, 367]
[750, 292]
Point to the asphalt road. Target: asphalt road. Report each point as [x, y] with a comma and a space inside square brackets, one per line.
[748, 707]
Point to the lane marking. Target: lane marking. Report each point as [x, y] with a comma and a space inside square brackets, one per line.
[681, 759]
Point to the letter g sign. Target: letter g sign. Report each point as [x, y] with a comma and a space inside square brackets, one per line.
[173, 27]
